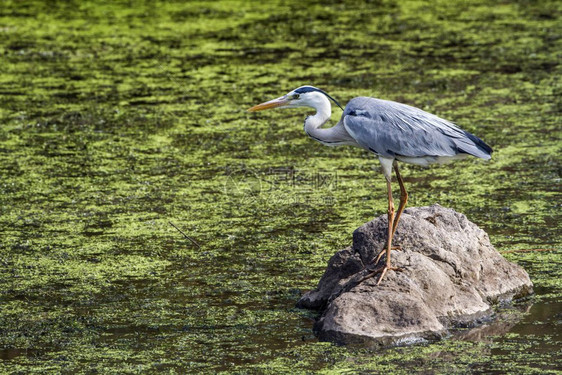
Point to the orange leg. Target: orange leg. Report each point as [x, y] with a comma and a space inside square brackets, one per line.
[391, 229]
[390, 226]
[403, 198]
[401, 206]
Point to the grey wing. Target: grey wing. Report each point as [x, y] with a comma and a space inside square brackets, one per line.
[392, 130]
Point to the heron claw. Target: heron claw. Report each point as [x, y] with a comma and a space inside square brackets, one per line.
[382, 271]
[383, 251]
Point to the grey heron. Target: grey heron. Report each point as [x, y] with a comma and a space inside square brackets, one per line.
[393, 132]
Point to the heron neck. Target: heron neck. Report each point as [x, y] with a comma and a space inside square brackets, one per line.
[315, 121]
[334, 136]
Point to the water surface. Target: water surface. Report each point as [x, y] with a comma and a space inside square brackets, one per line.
[117, 119]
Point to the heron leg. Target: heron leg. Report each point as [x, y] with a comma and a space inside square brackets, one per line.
[403, 198]
[390, 230]
[401, 206]
[389, 247]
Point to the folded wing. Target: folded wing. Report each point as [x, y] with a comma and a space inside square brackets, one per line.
[395, 130]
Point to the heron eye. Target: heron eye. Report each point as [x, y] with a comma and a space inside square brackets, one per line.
[296, 96]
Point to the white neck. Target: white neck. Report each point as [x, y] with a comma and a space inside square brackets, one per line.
[333, 136]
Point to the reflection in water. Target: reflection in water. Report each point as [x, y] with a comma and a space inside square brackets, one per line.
[501, 323]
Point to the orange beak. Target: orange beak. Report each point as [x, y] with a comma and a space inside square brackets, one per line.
[279, 102]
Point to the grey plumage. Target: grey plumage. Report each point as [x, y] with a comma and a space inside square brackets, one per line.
[399, 131]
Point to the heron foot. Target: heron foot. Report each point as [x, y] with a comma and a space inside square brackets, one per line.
[381, 253]
[382, 271]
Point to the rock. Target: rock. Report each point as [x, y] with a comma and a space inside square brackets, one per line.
[451, 277]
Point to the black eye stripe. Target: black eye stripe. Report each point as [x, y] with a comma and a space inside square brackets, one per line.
[305, 89]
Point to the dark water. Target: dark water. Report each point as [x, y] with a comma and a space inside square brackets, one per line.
[118, 119]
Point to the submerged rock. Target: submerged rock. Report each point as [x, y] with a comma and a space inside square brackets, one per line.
[451, 277]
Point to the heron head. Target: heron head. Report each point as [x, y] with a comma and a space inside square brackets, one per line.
[304, 96]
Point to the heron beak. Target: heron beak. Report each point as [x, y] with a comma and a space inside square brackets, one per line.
[279, 102]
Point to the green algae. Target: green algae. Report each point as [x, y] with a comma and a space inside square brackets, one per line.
[117, 120]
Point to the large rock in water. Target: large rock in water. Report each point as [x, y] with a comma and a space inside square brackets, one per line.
[451, 277]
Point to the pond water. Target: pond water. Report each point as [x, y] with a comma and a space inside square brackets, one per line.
[120, 120]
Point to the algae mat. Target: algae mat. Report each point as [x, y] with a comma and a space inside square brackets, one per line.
[120, 119]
